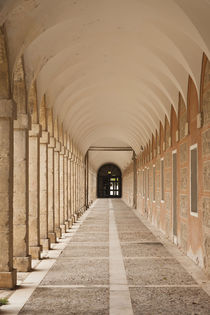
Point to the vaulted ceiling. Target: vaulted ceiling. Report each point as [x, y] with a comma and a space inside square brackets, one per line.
[111, 69]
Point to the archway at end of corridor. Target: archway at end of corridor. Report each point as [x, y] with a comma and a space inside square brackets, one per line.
[109, 181]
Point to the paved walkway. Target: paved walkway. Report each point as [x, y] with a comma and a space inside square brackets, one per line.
[114, 264]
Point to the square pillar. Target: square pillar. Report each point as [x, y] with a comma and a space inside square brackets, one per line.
[57, 188]
[51, 208]
[66, 184]
[7, 273]
[44, 141]
[34, 209]
[61, 173]
[22, 259]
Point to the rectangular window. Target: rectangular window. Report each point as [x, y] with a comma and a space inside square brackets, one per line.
[153, 183]
[162, 178]
[194, 180]
[143, 183]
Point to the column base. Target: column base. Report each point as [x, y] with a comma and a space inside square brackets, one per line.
[63, 228]
[70, 223]
[66, 225]
[8, 279]
[45, 242]
[75, 217]
[52, 237]
[58, 232]
[35, 252]
[22, 263]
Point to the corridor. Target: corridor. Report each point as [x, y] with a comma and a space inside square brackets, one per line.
[114, 264]
[105, 99]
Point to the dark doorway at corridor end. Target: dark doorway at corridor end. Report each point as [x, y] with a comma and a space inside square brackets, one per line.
[109, 181]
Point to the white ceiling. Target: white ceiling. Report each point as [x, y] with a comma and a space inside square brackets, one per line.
[109, 68]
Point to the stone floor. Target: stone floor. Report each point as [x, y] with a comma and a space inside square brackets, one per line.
[112, 263]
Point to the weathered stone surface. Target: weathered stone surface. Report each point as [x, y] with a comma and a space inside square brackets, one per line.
[69, 301]
[183, 205]
[182, 118]
[168, 160]
[78, 271]
[207, 252]
[206, 211]
[168, 271]
[207, 74]
[184, 236]
[206, 107]
[168, 180]
[74, 250]
[184, 178]
[153, 249]
[206, 176]
[206, 142]
[169, 300]
[168, 201]
[8, 279]
[183, 153]
[137, 236]
[157, 181]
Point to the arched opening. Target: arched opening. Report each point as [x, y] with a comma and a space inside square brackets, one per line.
[109, 181]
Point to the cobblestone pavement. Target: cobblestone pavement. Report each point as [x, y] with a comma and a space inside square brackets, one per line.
[115, 265]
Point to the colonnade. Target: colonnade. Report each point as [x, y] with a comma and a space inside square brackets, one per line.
[42, 174]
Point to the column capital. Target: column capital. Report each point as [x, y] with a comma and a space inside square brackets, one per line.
[52, 143]
[36, 130]
[45, 138]
[66, 153]
[62, 150]
[8, 108]
[57, 146]
[23, 121]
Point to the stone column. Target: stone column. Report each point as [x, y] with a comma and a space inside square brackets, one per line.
[61, 172]
[7, 273]
[34, 210]
[69, 191]
[75, 190]
[44, 141]
[57, 188]
[134, 181]
[22, 259]
[77, 187]
[51, 212]
[66, 216]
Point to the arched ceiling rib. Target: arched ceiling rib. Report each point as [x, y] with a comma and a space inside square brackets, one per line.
[109, 68]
